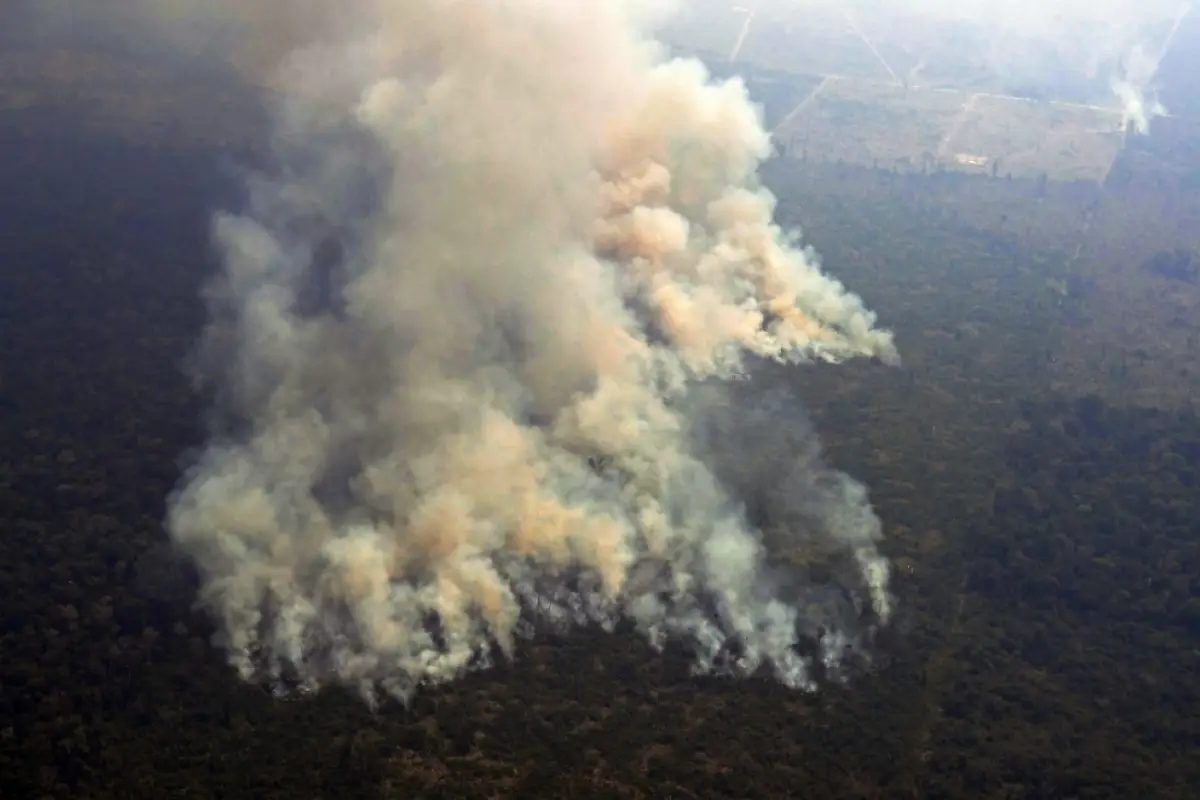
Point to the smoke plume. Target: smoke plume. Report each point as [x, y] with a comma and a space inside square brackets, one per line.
[487, 353]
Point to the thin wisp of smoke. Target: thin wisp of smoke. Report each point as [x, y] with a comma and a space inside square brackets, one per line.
[1080, 51]
[485, 351]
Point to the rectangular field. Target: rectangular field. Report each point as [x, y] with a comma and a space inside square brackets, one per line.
[1027, 139]
[710, 27]
[867, 122]
[872, 123]
[830, 48]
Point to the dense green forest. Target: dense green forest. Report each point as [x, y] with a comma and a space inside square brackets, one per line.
[1036, 460]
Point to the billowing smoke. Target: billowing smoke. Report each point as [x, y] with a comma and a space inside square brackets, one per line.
[505, 339]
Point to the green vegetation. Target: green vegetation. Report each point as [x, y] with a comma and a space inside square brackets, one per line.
[1036, 461]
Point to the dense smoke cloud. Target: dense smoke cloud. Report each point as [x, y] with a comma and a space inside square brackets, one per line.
[493, 348]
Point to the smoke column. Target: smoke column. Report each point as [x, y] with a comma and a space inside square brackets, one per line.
[484, 354]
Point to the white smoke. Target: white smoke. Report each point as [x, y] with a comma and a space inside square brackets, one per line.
[470, 349]
[1120, 41]
[1132, 87]
[1072, 50]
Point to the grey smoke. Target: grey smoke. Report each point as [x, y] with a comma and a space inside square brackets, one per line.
[467, 349]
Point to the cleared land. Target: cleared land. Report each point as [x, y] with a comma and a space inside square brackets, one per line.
[924, 129]
[906, 94]
[831, 48]
[1027, 139]
[707, 27]
[865, 122]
